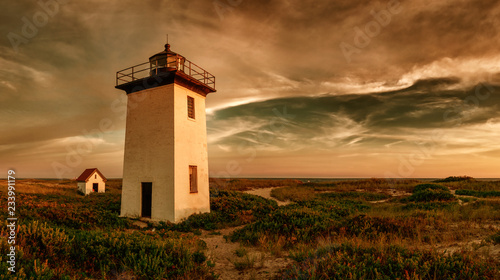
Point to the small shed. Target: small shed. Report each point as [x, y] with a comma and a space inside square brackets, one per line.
[91, 181]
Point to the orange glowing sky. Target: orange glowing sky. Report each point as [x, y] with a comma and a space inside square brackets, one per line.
[304, 88]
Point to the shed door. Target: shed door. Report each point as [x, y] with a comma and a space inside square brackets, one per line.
[147, 189]
[95, 187]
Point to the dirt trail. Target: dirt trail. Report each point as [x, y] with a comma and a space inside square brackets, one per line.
[262, 264]
[222, 253]
[266, 193]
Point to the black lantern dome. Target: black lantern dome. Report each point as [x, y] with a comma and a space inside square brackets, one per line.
[166, 61]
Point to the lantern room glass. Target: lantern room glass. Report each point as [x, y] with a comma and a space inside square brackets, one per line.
[166, 63]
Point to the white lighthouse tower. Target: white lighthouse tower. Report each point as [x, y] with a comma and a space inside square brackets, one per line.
[165, 169]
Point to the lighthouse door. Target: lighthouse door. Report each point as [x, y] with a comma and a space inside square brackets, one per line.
[147, 189]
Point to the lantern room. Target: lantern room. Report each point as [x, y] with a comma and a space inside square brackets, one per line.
[166, 61]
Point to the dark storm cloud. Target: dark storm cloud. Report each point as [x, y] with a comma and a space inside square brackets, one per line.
[371, 119]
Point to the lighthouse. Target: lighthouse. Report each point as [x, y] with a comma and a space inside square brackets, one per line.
[165, 167]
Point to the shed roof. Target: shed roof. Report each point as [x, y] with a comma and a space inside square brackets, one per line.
[87, 173]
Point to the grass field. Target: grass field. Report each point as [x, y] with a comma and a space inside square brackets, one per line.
[357, 229]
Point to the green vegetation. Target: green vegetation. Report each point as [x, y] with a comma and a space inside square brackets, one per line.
[422, 205]
[240, 252]
[423, 187]
[63, 235]
[366, 196]
[430, 192]
[44, 252]
[475, 185]
[357, 229]
[228, 208]
[478, 193]
[495, 238]
[349, 261]
[455, 179]
[303, 221]
[246, 262]
[249, 184]
[96, 211]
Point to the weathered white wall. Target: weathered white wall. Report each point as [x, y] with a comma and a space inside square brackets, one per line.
[190, 149]
[149, 152]
[160, 144]
[102, 185]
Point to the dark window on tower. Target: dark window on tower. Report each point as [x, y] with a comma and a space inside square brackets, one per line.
[193, 179]
[190, 107]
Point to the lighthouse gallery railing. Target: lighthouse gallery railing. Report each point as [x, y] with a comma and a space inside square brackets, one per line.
[146, 69]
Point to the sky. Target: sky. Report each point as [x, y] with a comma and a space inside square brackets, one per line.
[388, 89]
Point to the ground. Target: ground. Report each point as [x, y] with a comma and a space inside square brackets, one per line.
[262, 229]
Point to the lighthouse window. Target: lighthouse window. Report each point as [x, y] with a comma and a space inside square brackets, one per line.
[190, 105]
[193, 179]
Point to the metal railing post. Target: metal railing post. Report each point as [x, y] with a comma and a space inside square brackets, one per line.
[128, 75]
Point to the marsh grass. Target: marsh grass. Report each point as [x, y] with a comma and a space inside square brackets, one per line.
[240, 252]
[238, 184]
[474, 185]
[228, 209]
[352, 261]
[245, 262]
[478, 193]
[44, 252]
[309, 191]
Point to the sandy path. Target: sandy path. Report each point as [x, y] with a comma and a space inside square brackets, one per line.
[266, 193]
[222, 253]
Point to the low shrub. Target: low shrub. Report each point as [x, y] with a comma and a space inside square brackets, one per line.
[430, 206]
[349, 261]
[455, 179]
[367, 196]
[99, 210]
[44, 253]
[430, 193]
[478, 193]
[422, 187]
[365, 184]
[242, 184]
[495, 238]
[228, 208]
[302, 222]
[373, 227]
